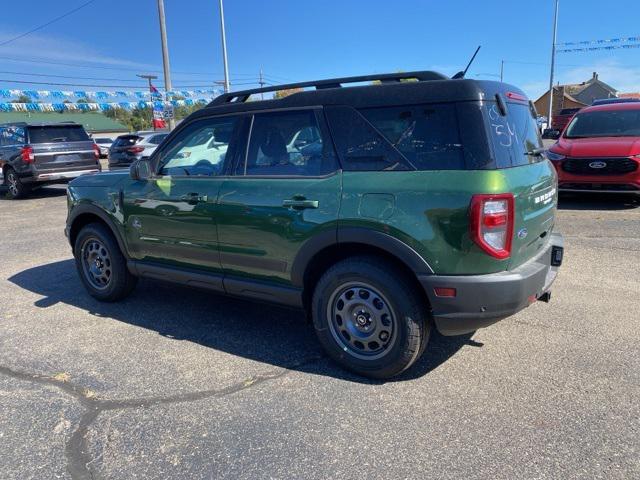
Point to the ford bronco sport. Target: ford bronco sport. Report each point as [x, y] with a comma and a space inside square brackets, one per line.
[32, 155]
[384, 210]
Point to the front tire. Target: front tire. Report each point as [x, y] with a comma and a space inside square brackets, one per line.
[101, 265]
[17, 189]
[369, 318]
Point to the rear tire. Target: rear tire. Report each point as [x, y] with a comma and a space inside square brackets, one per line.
[101, 265]
[369, 318]
[17, 189]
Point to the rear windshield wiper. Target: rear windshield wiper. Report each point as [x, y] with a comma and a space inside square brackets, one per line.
[536, 152]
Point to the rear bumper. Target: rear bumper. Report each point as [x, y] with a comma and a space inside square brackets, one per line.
[55, 176]
[485, 299]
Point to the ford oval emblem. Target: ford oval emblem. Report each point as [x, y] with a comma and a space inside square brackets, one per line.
[522, 233]
[598, 164]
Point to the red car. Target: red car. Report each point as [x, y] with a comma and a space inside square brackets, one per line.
[563, 118]
[600, 150]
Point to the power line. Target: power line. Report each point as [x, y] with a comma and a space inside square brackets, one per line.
[40, 27]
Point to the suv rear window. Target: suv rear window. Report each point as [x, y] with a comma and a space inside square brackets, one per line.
[57, 134]
[126, 141]
[514, 136]
[427, 135]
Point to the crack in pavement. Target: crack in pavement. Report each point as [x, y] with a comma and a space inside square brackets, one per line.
[76, 449]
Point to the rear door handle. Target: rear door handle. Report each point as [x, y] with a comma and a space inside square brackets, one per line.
[193, 198]
[300, 203]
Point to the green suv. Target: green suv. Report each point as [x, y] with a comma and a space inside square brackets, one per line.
[408, 202]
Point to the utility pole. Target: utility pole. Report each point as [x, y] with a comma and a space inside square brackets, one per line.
[149, 78]
[553, 62]
[501, 70]
[227, 87]
[261, 83]
[165, 57]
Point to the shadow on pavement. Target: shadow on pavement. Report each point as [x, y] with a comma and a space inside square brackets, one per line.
[597, 201]
[259, 332]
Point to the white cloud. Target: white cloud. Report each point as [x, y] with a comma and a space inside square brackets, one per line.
[54, 48]
[623, 78]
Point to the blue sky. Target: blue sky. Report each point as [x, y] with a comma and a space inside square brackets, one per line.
[302, 40]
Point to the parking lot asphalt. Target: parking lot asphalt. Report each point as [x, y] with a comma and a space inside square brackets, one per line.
[176, 383]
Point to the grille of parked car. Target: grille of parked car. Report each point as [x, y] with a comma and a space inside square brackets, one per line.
[599, 166]
[621, 187]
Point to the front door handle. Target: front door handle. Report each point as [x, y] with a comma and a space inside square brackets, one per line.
[193, 198]
[300, 203]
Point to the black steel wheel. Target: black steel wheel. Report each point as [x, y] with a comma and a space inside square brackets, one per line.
[101, 265]
[369, 317]
[361, 320]
[96, 263]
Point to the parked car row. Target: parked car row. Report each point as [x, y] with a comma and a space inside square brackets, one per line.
[37, 154]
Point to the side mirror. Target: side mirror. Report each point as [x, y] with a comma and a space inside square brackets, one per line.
[551, 134]
[141, 169]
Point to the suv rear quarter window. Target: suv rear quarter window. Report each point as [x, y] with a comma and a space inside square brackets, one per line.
[57, 134]
[360, 147]
[12, 136]
[427, 135]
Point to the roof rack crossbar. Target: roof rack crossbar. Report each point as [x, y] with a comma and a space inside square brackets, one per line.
[243, 95]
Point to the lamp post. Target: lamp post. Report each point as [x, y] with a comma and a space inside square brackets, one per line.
[227, 86]
[553, 61]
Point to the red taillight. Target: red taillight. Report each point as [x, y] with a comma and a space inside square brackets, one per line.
[135, 149]
[27, 155]
[491, 226]
[96, 151]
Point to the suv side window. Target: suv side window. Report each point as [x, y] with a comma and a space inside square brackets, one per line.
[359, 145]
[427, 135]
[289, 143]
[201, 148]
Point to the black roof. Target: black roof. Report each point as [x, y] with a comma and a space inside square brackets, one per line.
[430, 87]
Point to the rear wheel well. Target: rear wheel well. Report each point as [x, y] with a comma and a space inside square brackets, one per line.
[5, 169]
[331, 255]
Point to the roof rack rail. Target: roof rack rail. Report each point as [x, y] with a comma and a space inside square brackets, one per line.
[243, 95]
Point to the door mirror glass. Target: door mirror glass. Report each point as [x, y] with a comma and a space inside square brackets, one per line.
[141, 169]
